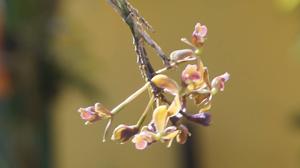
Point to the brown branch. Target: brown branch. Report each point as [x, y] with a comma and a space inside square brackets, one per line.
[137, 25]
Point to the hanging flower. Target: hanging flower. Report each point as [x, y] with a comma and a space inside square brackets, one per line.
[192, 77]
[94, 113]
[124, 132]
[166, 123]
[158, 132]
[218, 83]
[143, 140]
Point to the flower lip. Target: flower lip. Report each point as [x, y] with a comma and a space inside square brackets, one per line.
[143, 139]
[192, 77]
[190, 74]
[88, 114]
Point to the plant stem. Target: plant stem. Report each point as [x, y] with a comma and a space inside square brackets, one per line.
[138, 92]
[143, 116]
[137, 24]
[130, 98]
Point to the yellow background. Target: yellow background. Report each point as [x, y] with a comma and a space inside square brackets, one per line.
[252, 120]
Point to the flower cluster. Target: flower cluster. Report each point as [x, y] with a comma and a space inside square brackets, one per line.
[166, 124]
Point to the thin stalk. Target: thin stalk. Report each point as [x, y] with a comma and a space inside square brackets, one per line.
[144, 115]
[130, 98]
[140, 91]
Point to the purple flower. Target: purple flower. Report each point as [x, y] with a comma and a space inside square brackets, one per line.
[202, 118]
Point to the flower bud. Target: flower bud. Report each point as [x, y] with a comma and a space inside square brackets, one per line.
[89, 114]
[182, 55]
[124, 132]
[199, 35]
[94, 113]
[218, 83]
[202, 118]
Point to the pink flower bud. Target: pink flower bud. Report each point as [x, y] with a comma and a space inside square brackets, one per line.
[218, 83]
[89, 114]
[94, 113]
[199, 35]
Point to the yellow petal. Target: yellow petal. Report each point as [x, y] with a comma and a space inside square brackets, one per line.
[117, 132]
[170, 135]
[160, 117]
[205, 108]
[206, 77]
[200, 67]
[166, 83]
[175, 107]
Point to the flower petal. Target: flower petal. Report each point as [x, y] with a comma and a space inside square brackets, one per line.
[199, 35]
[124, 132]
[200, 98]
[206, 78]
[88, 114]
[203, 31]
[141, 144]
[206, 107]
[170, 135]
[175, 107]
[166, 83]
[181, 138]
[201, 118]
[143, 139]
[190, 74]
[160, 118]
[102, 111]
[182, 55]
[218, 83]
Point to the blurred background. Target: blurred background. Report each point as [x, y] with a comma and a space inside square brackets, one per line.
[59, 55]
